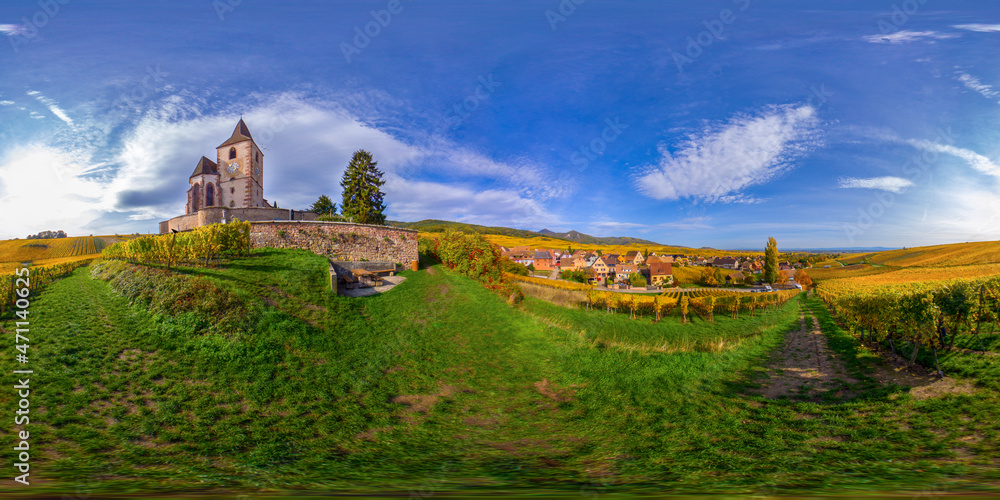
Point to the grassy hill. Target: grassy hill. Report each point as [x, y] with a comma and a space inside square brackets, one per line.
[253, 375]
[572, 237]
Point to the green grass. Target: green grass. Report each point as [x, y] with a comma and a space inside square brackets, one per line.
[442, 383]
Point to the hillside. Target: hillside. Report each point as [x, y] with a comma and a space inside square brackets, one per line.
[52, 251]
[440, 226]
[954, 254]
[258, 377]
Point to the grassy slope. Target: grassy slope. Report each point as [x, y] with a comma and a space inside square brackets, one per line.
[441, 383]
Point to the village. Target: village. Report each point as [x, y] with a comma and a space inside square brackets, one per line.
[623, 271]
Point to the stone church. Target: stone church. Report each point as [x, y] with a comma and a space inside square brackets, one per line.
[231, 187]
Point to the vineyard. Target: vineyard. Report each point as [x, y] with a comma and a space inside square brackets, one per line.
[560, 284]
[930, 314]
[199, 247]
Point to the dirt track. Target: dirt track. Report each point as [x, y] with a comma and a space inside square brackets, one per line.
[804, 366]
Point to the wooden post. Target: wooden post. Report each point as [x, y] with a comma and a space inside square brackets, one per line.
[416, 265]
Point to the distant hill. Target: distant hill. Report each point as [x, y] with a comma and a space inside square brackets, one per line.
[578, 237]
[440, 226]
[953, 254]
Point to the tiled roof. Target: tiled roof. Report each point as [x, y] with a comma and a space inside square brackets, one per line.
[660, 268]
[205, 166]
[543, 255]
[242, 133]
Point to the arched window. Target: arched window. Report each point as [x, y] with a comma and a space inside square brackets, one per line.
[209, 195]
[232, 204]
[195, 196]
[257, 156]
[232, 153]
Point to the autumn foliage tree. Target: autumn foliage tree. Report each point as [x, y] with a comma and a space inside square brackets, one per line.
[802, 278]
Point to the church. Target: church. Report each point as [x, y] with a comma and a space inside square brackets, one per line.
[231, 187]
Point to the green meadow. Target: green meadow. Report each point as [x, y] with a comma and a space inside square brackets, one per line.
[252, 376]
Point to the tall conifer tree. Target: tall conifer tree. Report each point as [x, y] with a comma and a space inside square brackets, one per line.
[771, 261]
[363, 198]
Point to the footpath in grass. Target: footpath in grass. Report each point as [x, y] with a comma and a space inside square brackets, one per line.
[440, 384]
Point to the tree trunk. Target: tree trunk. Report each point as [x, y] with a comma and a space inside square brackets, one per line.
[936, 365]
[913, 357]
[893, 347]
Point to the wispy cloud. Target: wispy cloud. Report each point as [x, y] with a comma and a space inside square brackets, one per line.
[906, 36]
[975, 160]
[53, 107]
[982, 28]
[6, 103]
[891, 184]
[11, 29]
[688, 224]
[973, 83]
[716, 164]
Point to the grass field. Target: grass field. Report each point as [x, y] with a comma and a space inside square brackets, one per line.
[440, 385]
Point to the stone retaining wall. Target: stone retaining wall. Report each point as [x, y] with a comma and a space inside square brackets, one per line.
[215, 215]
[339, 241]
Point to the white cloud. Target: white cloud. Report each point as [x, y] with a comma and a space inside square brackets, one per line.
[307, 144]
[973, 83]
[53, 107]
[416, 200]
[6, 103]
[11, 29]
[715, 165]
[975, 160]
[982, 28]
[905, 36]
[891, 184]
[44, 187]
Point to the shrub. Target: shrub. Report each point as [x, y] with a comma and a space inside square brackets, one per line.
[475, 257]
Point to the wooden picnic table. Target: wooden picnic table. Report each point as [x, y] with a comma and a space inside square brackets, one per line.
[364, 274]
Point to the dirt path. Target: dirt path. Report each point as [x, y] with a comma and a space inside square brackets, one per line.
[804, 366]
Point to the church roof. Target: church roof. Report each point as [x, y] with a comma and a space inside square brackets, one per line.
[241, 134]
[205, 166]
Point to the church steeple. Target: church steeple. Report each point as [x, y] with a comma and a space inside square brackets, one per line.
[240, 134]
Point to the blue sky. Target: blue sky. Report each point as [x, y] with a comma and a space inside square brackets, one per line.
[716, 123]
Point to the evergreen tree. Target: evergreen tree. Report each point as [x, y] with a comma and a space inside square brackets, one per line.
[324, 206]
[363, 200]
[771, 261]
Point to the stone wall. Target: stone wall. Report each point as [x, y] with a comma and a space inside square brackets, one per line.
[339, 241]
[214, 215]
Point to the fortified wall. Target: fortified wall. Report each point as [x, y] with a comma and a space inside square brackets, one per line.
[215, 215]
[339, 241]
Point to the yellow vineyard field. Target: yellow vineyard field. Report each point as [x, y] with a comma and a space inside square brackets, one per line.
[51, 251]
[956, 254]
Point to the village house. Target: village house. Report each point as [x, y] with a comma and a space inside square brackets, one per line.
[602, 268]
[661, 274]
[725, 263]
[544, 261]
[734, 278]
[635, 257]
[623, 271]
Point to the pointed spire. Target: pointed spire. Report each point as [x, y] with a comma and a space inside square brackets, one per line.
[240, 134]
[205, 166]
